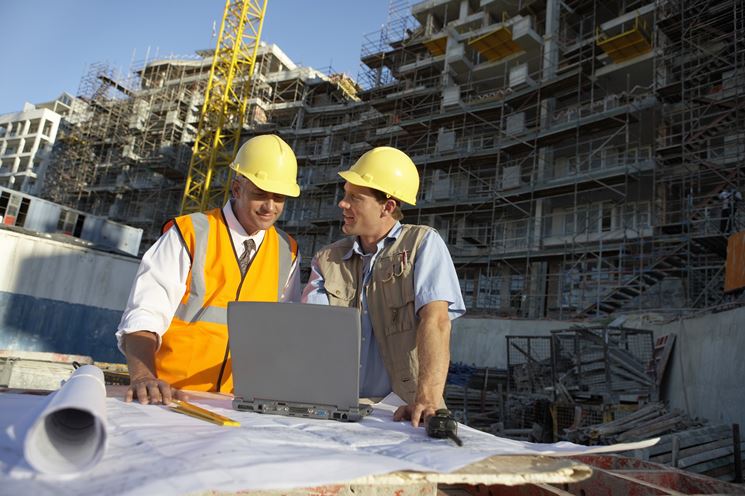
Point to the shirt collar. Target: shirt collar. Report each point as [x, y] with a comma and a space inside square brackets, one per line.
[393, 234]
[237, 232]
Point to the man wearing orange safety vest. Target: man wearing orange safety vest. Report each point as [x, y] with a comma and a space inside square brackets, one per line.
[174, 328]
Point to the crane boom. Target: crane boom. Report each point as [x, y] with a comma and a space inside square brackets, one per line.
[225, 103]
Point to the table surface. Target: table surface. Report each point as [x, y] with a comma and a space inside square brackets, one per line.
[496, 470]
[504, 470]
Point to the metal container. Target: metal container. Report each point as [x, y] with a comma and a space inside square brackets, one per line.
[36, 370]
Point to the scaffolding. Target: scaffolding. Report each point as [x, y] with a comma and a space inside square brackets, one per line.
[128, 155]
[571, 153]
[81, 146]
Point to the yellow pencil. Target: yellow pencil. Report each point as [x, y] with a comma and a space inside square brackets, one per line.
[202, 414]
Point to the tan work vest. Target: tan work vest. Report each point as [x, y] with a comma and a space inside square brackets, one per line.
[390, 299]
[194, 352]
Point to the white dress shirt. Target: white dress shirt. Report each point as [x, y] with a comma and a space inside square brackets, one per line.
[160, 282]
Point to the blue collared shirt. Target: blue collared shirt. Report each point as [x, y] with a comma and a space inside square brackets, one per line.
[435, 279]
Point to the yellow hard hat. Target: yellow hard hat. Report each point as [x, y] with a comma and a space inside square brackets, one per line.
[388, 170]
[269, 163]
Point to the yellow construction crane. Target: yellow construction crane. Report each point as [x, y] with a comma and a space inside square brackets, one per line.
[225, 103]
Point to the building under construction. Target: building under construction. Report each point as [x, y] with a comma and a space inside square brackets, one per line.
[572, 153]
[128, 158]
[578, 157]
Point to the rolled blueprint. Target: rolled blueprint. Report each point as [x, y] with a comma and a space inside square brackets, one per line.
[68, 433]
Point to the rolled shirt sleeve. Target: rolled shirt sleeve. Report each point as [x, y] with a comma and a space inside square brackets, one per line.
[435, 278]
[158, 287]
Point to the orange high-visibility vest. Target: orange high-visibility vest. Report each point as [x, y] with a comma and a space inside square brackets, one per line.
[194, 352]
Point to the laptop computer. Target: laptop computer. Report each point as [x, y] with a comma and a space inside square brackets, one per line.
[295, 359]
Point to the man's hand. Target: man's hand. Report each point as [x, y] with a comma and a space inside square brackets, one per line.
[152, 390]
[416, 412]
[139, 347]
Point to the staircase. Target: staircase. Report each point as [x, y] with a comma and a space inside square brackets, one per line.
[672, 260]
[718, 127]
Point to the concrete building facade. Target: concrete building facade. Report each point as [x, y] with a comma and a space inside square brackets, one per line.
[27, 138]
[128, 159]
[571, 152]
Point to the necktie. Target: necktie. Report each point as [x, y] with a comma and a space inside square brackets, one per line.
[244, 261]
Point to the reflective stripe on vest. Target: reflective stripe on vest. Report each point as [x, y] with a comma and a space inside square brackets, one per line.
[285, 261]
[190, 311]
[194, 310]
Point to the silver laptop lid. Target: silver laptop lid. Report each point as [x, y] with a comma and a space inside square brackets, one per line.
[294, 352]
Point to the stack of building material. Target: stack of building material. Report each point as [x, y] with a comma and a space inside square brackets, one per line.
[588, 375]
[474, 394]
[604, 362]
[685, 443]
[530, 366]
[526, 418]
[460, 398]
[581, 364]
[650, 421]
[714, 450]
[34, 370]
[460, 373]
[114, 373]
[571, 379]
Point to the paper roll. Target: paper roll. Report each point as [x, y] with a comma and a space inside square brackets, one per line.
[68, 433]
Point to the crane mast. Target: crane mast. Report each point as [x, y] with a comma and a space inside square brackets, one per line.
[225, 104]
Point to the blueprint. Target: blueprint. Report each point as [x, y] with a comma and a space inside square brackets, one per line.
[152, 449]
[66, 432]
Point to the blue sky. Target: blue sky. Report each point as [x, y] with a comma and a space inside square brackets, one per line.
[49, 44]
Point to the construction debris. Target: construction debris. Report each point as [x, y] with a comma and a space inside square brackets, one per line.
[476, 395]
[601, 386]
[583, 364]
[560, 385]
[685, 443]
[714, 450]
[649, 421]
[605, 362]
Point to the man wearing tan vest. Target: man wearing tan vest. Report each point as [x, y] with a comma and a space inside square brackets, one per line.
[174, 329]
[402, 279]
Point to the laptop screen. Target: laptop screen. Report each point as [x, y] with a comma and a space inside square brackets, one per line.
[292, 352]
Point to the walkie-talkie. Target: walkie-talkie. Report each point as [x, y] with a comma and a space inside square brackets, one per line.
[443, 425]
